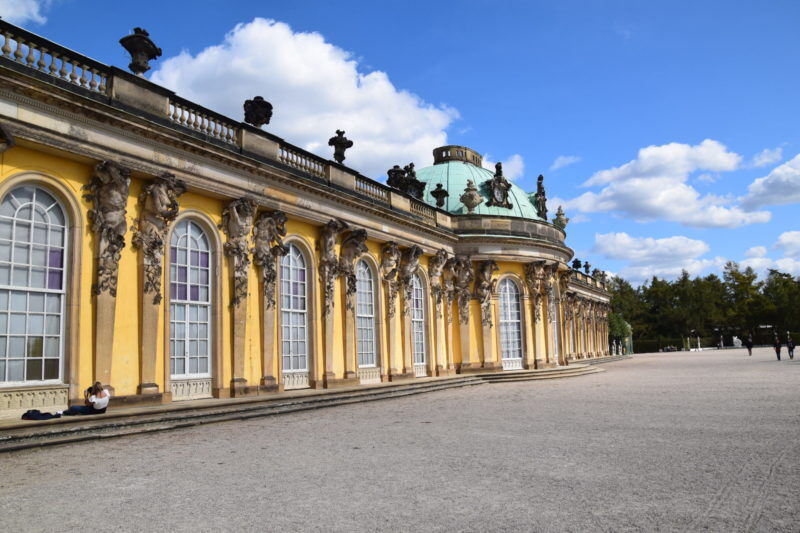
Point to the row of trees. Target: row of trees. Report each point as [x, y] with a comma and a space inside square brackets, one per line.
[664, 312]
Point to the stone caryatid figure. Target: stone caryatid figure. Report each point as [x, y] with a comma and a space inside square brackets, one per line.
[471, 197]
[142, 50]
[560, 220]
[108, 191]
[328, 260]
[390, 265]
[462, 277]
[484, 289]
[340, 143]
[540, 199]
[237, 223]
[353, 247]
[436, 266]
[409, 264]
[268, 233]
[257, 111]
[586, 267]
[534, 277]
[159, 207]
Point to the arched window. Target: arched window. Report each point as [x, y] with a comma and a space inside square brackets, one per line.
[365, 315]
[418, 327]
[190, 302]
[294, 318]
[33, 233]
[510, 325]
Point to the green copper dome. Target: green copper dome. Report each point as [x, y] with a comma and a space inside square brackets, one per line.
[453, 167]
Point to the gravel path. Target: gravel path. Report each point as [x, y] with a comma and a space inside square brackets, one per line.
[662, 442]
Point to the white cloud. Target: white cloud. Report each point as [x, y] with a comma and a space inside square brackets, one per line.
[315, 88]
[648, 257]
[513, 167]
[780, 186]
[788, 265]
[767, 156]
[756, 251]
[653, 186]
[789, 242]
[563, 161]
[22, 11]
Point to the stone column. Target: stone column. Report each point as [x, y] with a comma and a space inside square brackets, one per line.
[390, 267]
[484, 291]
[352, 248]
[409, 263]
[108, 191]
[528, 313]
[237, 223]
[329, 271]
[436, 266]
[461, 268]
[268, 248]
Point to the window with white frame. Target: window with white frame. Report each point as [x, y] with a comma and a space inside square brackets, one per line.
[510, 320]
[190, 302]
[33, 236]
[294, 311]
[418, 321]
[365, 315]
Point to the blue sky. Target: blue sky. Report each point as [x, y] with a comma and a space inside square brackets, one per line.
[710, 87]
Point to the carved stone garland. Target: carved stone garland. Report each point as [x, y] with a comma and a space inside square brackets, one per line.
[390, 264]
[237, 223]
[484, 289]
[328, 261]
[159, 207]
[352, 248]
[268, 233]
[409, 264]
[108, 192]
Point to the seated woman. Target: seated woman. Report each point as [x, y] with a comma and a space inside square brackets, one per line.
[96, 398]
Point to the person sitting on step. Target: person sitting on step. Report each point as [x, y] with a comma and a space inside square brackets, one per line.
[96, 398]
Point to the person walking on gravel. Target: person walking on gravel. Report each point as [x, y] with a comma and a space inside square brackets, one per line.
[777, 345]
[748, 343]
[790, 346]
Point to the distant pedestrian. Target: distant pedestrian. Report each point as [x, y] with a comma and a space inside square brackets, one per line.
[777, 345]
[748, 343]
[790, 346]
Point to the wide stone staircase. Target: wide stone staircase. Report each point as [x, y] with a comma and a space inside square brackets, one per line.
[19, 434]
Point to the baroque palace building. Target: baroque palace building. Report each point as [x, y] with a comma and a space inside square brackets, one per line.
[174, 253]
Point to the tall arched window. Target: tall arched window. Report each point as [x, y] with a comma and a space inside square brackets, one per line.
[190, 302]
[294, 318]
[510, 325]
[418, 327]
[365, 315]
[33, 233]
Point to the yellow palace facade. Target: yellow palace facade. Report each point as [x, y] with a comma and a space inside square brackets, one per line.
[173, 253]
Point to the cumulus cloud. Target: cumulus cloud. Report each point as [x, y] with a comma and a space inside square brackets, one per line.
[767, 156]
[789, 242]
[315, 88]
[654, 186]
[756, 251]
[563, 161]
[648, 257]
[22, 11]
[780, 186]
[513, 167]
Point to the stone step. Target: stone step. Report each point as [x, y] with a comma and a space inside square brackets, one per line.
[609, 359]
[76, 429]
[532, 375]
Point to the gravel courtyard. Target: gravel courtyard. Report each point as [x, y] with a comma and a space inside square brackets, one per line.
[662, 442]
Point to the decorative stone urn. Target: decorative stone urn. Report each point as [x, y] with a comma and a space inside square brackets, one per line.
[142, 50]
[471, 197]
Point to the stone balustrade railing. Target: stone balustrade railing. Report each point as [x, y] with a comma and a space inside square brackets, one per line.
[372, 189]
[424, 211]
[205, 121]
[301, 160]
[32, 51]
